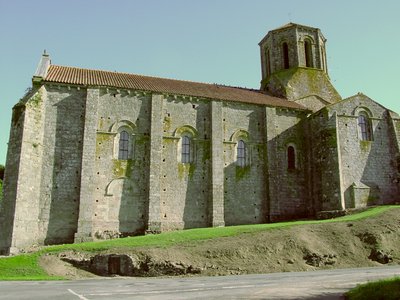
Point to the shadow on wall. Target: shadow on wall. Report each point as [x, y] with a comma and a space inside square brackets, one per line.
[60, 204]
[289, 195]
[196, 176]
[132, 198]
[130, 205]
[379, 183]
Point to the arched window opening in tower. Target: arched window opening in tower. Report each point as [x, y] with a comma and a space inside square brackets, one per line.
[291, 158]
[123, 152]
[267, 57]
[323, 59]
[308, 53]
[285, 50]
[365, 127]
[241, 154]
[185, 158]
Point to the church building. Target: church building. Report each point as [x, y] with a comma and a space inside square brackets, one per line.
[97, 154]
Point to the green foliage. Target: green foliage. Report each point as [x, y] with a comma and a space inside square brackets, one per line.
[23, 267]
[2, 169]
[388, 289]
[241, 172]
[186, 169]
[122, 168]
[1, 191]
[26, 267]
[365, 145]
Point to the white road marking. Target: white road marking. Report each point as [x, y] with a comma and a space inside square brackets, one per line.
[174, 291]
[76, 294]
[238, 286]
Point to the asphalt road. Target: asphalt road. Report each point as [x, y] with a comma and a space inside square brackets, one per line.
[328, 284]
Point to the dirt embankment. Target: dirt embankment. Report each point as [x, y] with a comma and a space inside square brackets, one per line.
[369, 242]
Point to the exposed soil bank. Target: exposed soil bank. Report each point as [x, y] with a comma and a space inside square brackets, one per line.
[370, 242]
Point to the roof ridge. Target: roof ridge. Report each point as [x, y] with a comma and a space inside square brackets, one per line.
[154, 77]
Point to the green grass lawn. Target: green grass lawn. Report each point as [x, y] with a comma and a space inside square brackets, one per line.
[25, 267]
[388, 289]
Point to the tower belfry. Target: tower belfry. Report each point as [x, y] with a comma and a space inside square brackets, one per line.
[294, 66]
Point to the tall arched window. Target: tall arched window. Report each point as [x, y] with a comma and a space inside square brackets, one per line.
[291, 158]
[123, 152]
[185, 150]
[308, 53]
[285, 50]
[267, 58]
[323, 59]
[241, 154]
[365, 127]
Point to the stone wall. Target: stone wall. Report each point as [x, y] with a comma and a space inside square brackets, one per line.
[326, 182]
[60, 177]
[287, 195]
[367, 164]
[67, 138]
[120, 193]
[244, 186]
[10, 184]
[185, 187]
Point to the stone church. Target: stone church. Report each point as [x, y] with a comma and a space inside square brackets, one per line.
[96, 154]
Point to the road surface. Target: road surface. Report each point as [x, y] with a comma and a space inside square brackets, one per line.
[327, 284]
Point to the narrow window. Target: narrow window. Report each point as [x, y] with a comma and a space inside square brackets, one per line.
[241, 154]
[285, 49]
[323, 58]
[185, 158]
[123, 145]
[308, 53]
[267, 57]
[365, 127]
[291, 158]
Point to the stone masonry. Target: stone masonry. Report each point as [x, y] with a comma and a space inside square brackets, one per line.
[98, 155]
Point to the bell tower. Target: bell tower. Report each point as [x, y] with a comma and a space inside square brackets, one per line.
[293, 66]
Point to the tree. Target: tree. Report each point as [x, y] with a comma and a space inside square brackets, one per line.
[2, 172]
[1, 191]
[1, 182]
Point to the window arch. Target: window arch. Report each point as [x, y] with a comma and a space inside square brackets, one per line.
[291, 158]
[124, 142]
[365, 127]
[241, 153]
[285, 50]
[308, 53]
[185, 149]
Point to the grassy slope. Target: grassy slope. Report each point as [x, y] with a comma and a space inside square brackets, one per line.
[388, 289]
[25, 267]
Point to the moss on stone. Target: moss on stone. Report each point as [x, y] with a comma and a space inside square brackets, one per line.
[18, 110]
[328, 137]
[101, 138]
[262, 151]
[167, 123]
[35, 100]
[206, 147]
[365, 146]
[309, 81]
[397, 124]
[186, 170]
[122, 168]
[141, 140]
[241, 172]
[169, 140]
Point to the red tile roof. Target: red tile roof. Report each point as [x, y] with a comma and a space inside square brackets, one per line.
[86, 77]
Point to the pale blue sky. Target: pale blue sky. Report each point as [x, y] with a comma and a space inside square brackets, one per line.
[212, 41]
